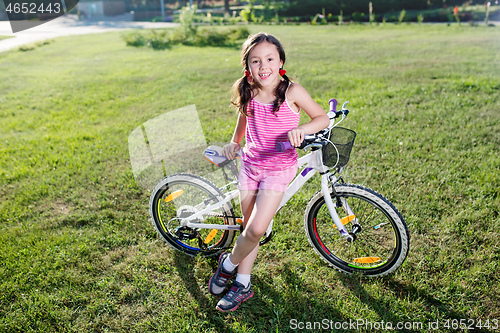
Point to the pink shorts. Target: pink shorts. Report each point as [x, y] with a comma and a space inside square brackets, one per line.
[252, 178]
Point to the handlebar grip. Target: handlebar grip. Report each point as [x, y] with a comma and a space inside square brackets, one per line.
[333, 105]
[282, 146]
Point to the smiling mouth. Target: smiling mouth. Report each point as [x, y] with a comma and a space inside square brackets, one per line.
[264, 75]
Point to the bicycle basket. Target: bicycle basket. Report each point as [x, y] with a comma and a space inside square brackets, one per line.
[343, 139]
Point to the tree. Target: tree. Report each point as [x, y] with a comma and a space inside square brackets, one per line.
[226, 6]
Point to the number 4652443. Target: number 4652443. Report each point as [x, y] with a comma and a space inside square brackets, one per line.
[33, 8]
[471, 324]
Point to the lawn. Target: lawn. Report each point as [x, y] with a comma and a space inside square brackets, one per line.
[78, 252]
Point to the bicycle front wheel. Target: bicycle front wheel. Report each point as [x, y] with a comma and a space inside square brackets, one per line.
[181, 195]
[381, 241]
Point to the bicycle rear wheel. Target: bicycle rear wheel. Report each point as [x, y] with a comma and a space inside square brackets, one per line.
[181, 195]
[381, 236]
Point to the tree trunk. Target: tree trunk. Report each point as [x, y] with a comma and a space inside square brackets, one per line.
[226, 6]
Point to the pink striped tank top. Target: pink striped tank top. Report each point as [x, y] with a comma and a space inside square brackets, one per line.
[264, 130]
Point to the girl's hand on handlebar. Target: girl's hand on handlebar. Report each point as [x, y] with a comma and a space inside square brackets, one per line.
[296, 136]
[230, 150]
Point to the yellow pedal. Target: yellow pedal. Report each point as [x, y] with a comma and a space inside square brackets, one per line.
[346, 220]
[174, 195]
[367, 260]
[211, 236]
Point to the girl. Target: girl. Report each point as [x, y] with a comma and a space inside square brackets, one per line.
[269, 105]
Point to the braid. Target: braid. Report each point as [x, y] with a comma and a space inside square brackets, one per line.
[242, 94]
[280, 93]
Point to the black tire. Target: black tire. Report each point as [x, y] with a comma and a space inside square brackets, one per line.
[378, 249]
[181, 195]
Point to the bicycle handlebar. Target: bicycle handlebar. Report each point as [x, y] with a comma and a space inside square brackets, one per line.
[309, 139]
[282, 146]
[333, 107]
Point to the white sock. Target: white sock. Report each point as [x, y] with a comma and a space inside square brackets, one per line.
[244, 279]
[228, 265]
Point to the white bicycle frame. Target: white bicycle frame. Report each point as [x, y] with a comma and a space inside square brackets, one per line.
[311, 164]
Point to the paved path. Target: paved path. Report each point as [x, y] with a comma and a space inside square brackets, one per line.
[67, 25]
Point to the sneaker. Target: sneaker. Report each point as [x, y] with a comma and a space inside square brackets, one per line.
[219, 281]
[236, 295]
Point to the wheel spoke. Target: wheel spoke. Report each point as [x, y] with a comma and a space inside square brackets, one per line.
[180, 196]
[377, 248]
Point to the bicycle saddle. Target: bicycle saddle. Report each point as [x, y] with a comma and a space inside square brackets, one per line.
[214, 155]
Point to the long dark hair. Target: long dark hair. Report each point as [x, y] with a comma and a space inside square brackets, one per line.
[243, 89]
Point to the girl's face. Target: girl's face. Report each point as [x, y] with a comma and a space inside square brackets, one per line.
[264, 63]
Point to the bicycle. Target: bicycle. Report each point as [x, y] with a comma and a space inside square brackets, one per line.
[351, 227]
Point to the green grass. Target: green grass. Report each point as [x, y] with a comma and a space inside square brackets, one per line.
[77, 250]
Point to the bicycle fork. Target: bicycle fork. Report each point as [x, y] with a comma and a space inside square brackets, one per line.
[325, 189]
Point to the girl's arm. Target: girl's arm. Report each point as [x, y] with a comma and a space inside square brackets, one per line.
[239, 131]
[319, 119]
[231, 148]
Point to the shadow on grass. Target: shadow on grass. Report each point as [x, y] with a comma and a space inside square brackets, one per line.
[291, 305]
[274, 306]
[186, 267]
[401, 291]
[294, 303]
[443, 307]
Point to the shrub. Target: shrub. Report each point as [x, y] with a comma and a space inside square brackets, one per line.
[238, 33]
[156, 39]
[358, 17]
[134, 39]
[247, 15]
[159, 44]
[186, 19]
[178, 36]
[159, 40]
[210, 37]
[164, 39]
[402, 16]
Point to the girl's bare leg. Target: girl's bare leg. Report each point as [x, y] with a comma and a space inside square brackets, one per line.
[247, 202]
[260, 207]
[245, 266]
